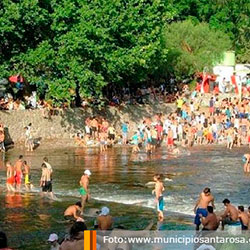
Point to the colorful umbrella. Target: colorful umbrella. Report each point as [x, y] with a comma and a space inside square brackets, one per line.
[16, 78]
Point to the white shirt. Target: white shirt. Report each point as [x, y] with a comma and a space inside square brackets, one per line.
[214, 127]
[174, 129]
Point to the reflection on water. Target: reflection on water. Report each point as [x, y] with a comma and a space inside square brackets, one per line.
[119, 178]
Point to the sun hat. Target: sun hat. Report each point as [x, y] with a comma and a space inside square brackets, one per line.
[87, 172]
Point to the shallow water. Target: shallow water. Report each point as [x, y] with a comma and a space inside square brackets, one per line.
[118, 181]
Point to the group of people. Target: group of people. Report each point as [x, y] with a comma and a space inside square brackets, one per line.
[15, 173]
[225, 121]
[204, 213]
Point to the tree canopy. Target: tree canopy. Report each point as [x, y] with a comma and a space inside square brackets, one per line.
[193, 47]
[64, 47]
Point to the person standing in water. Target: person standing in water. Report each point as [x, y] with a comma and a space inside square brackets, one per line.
[158, 191]
[84, 189]
[26, 172]
[18, 172]
[10, 174]
[246, 159]
[46, 181]
[201, 206]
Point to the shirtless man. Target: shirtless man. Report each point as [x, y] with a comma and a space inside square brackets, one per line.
[46, 162]
[46, 181]
[72, 212]
[10, 174]
[246, 160]
[210, 222]
[230, 215]
[84, 189]
[158, 191]
[26, 173]
[104, 219]
[201, 206]
[18, 169]
[243, 216]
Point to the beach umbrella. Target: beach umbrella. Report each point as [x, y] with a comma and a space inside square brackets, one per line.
[15, 78]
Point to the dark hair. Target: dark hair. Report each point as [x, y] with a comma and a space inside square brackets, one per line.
[25, 162]
[241, 208]
[30, 124]
[20, 157]
[44, 165]
[158, 176]
[3, 240]
[210, 209]
[45, 159]
[248, 208]
[226, 201]
[206, 190]
[79, 204]
[76, 228]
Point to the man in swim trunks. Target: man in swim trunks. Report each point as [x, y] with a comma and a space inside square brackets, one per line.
[230, 215]
[84, 189]
[158, 191]
[210, 222]
[10, 181]
[243, 216]
[73, 211]
[201, 206]
[46, 181]
[246, 160]
[26, 172]
[104, 219]
[18, 170]
[46, 162]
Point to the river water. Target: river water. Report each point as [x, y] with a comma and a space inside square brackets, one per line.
[118, 181]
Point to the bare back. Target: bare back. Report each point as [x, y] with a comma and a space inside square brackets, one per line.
[18, 165]
[84, 182]
[205, 200]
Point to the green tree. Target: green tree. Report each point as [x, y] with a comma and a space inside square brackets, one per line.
[189, 52]
[228, 16]
[90, 44]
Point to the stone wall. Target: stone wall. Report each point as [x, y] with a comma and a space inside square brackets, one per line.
[66, 123]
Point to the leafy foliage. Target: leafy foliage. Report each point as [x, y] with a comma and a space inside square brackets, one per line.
[69, 46]
[90, 44]
[229, 16]
[189, 52]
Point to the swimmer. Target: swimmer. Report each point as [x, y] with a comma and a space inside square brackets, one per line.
[73, 211]
[18, 170]
[246, 159]
[210, 223]
[243, 216]
[26, 173]
[104, 219]
[201, 206]
[46, 181]
[10, 181]
[230, 215]
[84, 189]
[158, 191]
